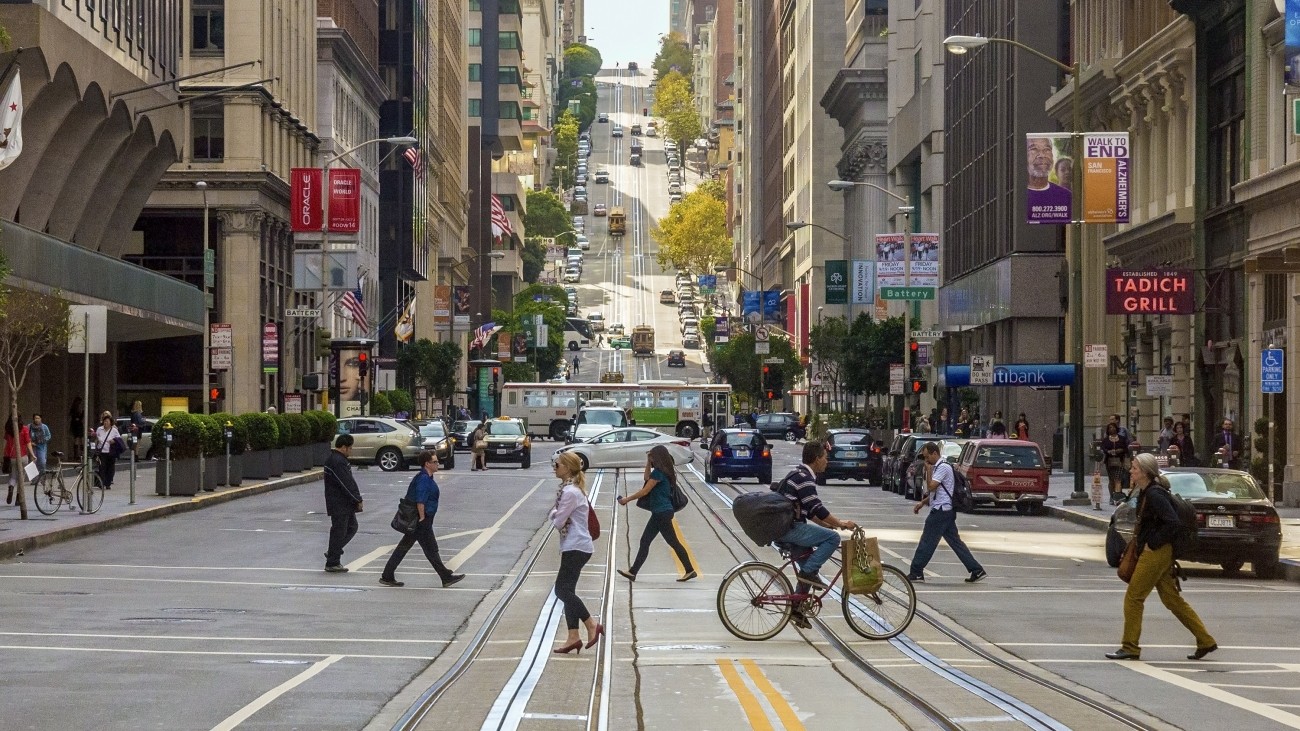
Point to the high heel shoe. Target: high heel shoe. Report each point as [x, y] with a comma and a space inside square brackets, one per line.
[575, 647]
[595, 637]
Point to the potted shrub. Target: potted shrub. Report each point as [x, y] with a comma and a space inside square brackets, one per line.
[213, 445]
[238, 443]
[300, 437]
[263, 440]
[281, 460]
[181, 462]
[324, 426]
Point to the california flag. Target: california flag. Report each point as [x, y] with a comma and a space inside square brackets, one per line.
[11, 122]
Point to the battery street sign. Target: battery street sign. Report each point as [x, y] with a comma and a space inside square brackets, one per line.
[907, 293]
[302, 312]
[927, 334]
[1272, 370]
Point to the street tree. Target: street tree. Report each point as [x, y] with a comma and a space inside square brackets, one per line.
[433, 364]
[675, 104]
[674, 56]
[533, 258]
[531, 301]
[693, 236]
[873, 346]
[566, 147]
[581, 60]
[583, 90]
[831, 351]
[714, 188]
[737, 363]
[546, 215]
[32, 326]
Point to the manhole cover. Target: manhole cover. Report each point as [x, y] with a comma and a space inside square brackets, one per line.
[329, 589]
[204, 610]
[166, 620]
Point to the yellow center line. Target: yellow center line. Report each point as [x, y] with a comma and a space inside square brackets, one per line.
[748, 701]
[777, 701]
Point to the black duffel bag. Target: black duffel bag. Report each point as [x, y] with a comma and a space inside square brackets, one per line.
[764, 516]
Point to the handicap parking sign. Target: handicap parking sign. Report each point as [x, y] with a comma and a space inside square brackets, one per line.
[1272, 370]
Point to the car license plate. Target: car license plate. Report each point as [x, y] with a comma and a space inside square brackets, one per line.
[1006, 496]
[1221, 521]
[742, 452]
[503, 451]
[854, 455]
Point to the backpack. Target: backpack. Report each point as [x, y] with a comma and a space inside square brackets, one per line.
[593, 523]
[1186, 537]
[962, 499]
[765, 515]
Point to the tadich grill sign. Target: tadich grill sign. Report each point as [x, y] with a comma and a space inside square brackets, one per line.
[1163, 292]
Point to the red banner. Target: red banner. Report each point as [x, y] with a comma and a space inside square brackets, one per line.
[1164, 292]
[305, 200]
[270, 348]
[345, 200]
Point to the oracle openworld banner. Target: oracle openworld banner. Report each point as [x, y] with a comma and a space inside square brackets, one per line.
[305, 199]
[1163, 292]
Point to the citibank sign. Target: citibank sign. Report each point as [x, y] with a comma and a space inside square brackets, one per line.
[1164, 292]
[1041, 375]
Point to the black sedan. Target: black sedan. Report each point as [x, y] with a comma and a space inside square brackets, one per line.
[460, 431]
[853, 455]
[676, 359]
[1236, 521]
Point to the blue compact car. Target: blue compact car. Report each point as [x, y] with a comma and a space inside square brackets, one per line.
[738, 452]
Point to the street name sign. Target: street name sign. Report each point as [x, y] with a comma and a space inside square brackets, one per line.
[907, 293]
[774, 361]
[1272, 370]
[302, 312]
[927, 334]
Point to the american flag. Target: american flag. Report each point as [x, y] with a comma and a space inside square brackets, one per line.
[482, 335]
[500, 224]
[351, 304]
[412, 155]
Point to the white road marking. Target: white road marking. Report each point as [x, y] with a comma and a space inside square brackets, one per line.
[384, 550]
[269, 696]
[222, 653]
[1289, 720]
[481, 540]
[196, 638]
[366, 587]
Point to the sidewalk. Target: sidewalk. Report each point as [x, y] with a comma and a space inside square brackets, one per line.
[19, 536]
[1061, 487]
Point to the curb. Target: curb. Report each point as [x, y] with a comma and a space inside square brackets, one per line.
[17, 546]
[1290, 566]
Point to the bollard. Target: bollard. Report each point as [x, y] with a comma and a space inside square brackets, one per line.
[167, 446]
[134, 441]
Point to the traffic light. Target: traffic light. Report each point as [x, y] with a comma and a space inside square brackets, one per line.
[363, 363]
[311, 382]
[920, 385]
[765, 385]
[323, 339]
[915, 347]
[216, 394]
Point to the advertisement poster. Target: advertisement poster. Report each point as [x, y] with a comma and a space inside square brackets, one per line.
[555, 252]
[837, 282]
[442, 304]
[772, 306]
[519, 347]
[270, 348]
[924, 260]
[1164, 292]
[1050, 172]
[345, 373]
[305, 192]
[863, 281]
[891, 261]
[503, 345]
[1105, 177]
[1292, 40]
[750, 302]
[460, 305]
[345, 200]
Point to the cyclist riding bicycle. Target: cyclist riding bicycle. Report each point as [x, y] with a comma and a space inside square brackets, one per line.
[800, 486]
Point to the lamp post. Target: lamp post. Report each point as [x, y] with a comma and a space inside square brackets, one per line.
[960, 45]
[495, 255]
[207, 314]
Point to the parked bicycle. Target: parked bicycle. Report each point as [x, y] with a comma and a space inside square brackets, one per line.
[756, 600]
[50, 492]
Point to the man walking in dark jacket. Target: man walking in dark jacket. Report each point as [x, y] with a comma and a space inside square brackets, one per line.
[342, 502]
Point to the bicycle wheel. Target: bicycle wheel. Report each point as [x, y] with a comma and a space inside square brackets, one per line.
[884, 613]
[750, 601]
[47, 493]
[92, 499]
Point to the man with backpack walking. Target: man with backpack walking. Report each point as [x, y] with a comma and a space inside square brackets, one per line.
[941, 522]
[1160, 533]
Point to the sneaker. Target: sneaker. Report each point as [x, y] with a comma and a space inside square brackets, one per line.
[977, 575]
[452, 580]
[799, 620]
[812, 580]
[336, 569]
[916, 579]
[391, 582]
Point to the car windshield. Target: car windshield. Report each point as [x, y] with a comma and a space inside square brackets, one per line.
[1214, 485]
[463, 427]
[603, 417]
[1008, 456]
[505, 428]
[433, 429]
[850, 438]
[742, 438]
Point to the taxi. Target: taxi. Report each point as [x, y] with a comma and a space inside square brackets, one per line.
[507, 440]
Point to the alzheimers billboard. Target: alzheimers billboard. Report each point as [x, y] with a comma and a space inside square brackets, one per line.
[1105, 177]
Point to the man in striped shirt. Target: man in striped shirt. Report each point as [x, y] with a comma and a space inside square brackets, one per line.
[801, 487]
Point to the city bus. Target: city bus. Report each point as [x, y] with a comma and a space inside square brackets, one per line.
[675, 407]
[577, 333]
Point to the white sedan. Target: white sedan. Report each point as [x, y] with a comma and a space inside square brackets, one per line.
[627, 447]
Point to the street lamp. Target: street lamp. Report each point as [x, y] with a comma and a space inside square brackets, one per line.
[960, 45]
[207, 315]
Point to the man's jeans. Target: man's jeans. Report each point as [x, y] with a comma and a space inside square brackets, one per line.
[823, 541]
[941, 524]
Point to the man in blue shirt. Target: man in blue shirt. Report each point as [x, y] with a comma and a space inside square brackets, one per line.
[424, 492]
[942, 519]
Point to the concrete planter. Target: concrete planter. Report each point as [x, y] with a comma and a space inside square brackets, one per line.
[184, 475]
[277, 462]
[256, 465]
[296, 459]
[210, 477]
[236, 470]
[320, 453]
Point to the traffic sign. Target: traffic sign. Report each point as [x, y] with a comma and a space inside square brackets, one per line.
[774, 361]
[907, 293]
[762, 348]
[1272, 370]
[1096, 356]
[896, 379]
[761, 333]
[223, 359]
[221, 335]
[927, 334]
[981, 370]
[301, 312]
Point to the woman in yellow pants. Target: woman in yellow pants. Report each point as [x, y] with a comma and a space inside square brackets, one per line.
[1157, 525]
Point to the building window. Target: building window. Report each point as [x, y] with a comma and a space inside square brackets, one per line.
[474, 6]
[209, 18]
[475, 38]
[1276, 295]
[1227, 109]
[509, 110]
[508, 75]
[474, 110]
[208, 129]
[509, 40]
[476, 72]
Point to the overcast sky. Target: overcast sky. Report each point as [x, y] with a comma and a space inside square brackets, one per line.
[626, 30]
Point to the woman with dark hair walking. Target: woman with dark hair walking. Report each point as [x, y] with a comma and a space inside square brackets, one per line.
[569, 516]
[660, 479]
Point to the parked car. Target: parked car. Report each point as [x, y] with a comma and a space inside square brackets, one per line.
[507, 441]
[460, 431]
[738, 452]
[691, 340]
[1236, 522]
[144, 447]
[906, 456]
[572, 275]
[676, 359]
[690, 322]
[1004, 473]
[674, 197]
[853, 454]
[437, 439]
[389, 443]
[890, 457]
[667, 297]
[781, 425]
[626, 448]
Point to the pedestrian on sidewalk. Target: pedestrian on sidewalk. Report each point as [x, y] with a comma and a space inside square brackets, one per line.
[569, 516]
[1157, 523]
[1166, 435]
[1182, 442]
[1115, 448]
[40, 432]
[1225, 446]
[660, 480]
[108, 446]
[139, 424]
[18, 449]
[76, 426]
[424, 492]
[1022, 427]
[342, 502]
[941, 522]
